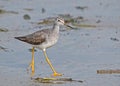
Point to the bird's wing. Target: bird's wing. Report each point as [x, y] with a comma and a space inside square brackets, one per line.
[35, 38]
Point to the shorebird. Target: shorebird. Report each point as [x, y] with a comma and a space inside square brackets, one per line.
[43, 39]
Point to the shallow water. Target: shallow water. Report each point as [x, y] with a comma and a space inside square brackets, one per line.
[78, 53]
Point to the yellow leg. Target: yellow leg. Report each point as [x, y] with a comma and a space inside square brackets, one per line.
[48, 61]
[31, 65]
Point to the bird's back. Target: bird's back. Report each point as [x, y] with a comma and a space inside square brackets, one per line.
[35, 38]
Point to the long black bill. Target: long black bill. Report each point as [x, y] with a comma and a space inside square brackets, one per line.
[69, 26]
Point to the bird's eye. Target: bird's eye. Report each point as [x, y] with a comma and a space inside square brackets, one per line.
[59, 20]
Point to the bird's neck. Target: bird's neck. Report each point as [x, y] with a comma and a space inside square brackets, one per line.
[56, 27]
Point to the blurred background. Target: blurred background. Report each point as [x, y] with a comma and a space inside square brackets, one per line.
[93, 44]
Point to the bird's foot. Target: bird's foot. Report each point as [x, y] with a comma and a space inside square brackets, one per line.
[56, 74]
[31, 65]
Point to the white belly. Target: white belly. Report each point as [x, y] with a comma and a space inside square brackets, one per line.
[46, 44]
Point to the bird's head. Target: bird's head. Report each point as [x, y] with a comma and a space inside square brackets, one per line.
[60, 21]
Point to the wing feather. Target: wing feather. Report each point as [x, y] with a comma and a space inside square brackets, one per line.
[36, 38]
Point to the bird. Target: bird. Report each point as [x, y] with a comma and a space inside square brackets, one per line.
[42, 40]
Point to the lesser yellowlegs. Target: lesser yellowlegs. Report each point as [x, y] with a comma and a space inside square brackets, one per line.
[43, 39]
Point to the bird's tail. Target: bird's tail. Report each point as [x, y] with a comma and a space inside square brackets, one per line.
[21, 38]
